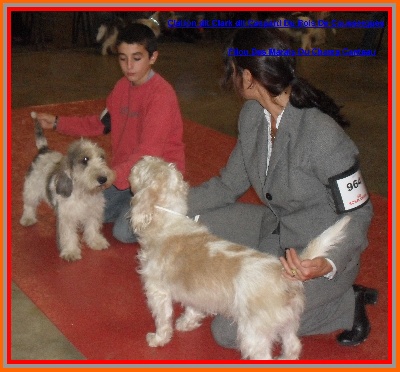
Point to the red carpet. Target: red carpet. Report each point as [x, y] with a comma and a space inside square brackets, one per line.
[98, 303]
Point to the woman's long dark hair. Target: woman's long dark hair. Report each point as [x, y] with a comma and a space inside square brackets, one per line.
[275, 73]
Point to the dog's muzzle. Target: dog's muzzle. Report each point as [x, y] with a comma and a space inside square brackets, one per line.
[102, 180]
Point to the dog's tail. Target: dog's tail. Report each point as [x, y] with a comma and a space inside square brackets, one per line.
[101, 33]
[41, 141]
[328, 240]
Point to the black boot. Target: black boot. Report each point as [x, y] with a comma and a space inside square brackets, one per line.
[361, 327]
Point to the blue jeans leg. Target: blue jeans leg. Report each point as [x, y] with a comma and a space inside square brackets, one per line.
[122, 229]
[117, 210]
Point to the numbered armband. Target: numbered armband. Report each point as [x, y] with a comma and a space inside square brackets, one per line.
[348, 190]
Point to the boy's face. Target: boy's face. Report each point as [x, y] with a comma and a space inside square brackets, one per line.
[135, 62]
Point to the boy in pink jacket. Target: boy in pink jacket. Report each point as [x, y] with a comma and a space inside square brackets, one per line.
[142, 115]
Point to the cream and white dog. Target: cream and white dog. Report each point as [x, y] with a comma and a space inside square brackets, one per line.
[181, 261]
[308, 36]
[72, 185]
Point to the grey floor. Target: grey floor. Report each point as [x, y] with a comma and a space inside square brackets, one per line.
[62, 72]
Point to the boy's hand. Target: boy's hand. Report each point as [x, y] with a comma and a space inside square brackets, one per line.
[46, 120]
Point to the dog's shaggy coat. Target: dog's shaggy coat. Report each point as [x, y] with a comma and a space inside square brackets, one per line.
[308, 36]
[107, 33]
[182, 262]
[73, 186]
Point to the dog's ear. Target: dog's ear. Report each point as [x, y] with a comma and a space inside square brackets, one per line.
[176, 183]
[142, 209]
[63, 181]
[64, 185]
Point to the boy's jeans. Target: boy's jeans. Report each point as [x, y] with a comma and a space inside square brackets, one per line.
[117, 210]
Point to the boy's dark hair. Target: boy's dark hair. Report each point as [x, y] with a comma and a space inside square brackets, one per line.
[137, 33]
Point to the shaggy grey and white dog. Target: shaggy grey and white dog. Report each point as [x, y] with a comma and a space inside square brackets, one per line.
[72, 185]
[181, 261]
[107, 33]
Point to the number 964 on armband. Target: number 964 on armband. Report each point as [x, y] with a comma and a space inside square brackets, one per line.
[348, 190]
[354, 184]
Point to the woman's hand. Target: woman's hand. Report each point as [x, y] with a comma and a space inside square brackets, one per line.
[296, 269]
[46, 120]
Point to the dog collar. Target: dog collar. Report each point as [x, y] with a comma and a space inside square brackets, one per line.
[170, 211]
[154, 20]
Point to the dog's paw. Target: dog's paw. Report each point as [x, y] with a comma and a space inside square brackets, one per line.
[71, 255]
[183, 324]
[98, 243]
[154, 340]
[27, 221]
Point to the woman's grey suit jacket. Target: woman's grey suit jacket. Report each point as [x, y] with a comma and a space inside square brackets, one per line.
[310, 148]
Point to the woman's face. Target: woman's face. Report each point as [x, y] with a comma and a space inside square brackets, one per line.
[237, 79]
[242, 79]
